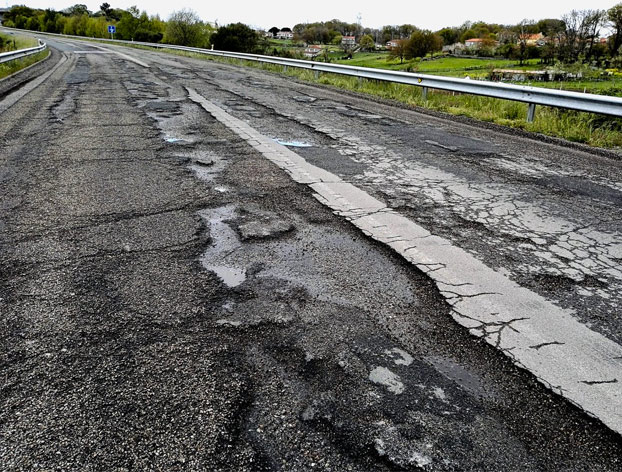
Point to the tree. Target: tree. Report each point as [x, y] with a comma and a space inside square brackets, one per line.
[77, 10]
[592, 23]
[582, 30]
[422, 42]
[523, 35]
[185, 28]
[449, 35]
[614, 15]
[550, 27]
[236, 37]
[106, 9]
[399, 50]
[389, 33]
[367, 43]
[406, 30]
[129, 23]
[274, 30]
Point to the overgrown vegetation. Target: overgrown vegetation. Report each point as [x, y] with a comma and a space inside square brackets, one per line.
[13, 42]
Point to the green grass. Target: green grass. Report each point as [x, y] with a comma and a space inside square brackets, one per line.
[449, 66]
[21, 42]
[9, 68]
[14, 42]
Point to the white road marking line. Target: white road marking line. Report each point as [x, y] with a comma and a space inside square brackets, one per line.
[565, 355]
[124, 56]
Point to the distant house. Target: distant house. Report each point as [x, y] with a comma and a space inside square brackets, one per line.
[392, 44]
[285, 35]
[533, 39]
[456, 48]
[478, 43]
[267, 34]
[474, 43]
[348, 40]
[313, 50]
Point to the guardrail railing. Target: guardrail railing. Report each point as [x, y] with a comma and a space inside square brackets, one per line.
[532, 96]
[13, 55]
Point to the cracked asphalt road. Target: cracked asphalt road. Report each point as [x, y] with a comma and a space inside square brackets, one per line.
[170, 299]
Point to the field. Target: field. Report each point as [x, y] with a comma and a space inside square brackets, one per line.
[449, 66]
[479, 69]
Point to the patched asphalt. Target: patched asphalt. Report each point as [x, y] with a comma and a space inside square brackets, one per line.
[123, 349]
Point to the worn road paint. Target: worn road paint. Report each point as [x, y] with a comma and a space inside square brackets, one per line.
[124, 56]
[565, 355]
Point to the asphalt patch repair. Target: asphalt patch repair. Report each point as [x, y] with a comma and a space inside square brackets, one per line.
[335, 354]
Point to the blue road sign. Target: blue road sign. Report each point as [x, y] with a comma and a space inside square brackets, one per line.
[112, 29]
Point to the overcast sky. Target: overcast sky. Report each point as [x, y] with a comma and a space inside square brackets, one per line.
[374, 13]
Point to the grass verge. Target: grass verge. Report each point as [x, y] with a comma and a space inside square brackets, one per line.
[16, 42]
[10, 68]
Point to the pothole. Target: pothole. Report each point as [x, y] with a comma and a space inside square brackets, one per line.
[224, 242]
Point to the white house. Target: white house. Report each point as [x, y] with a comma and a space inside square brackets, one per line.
[348, 40]
[285, 35]
[313, 50]
[474, 43]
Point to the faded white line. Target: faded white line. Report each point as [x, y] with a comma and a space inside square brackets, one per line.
[124, 56]
[565, 355]
[93, 52]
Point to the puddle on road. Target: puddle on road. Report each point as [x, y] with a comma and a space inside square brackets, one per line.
[297, 144]
[224, 242]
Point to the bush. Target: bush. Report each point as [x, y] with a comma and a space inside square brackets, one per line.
[237, 37]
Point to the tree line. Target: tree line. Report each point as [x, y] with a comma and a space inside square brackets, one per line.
[183, 27]
[575, 37]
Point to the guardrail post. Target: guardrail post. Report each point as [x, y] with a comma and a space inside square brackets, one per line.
[424, 94]
[317, 74]
[285, 69]
[531, 112]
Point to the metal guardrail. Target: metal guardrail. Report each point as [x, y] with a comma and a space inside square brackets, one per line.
[13, 55]
[533, 96]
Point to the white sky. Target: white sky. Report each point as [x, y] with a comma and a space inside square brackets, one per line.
[427, 14]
